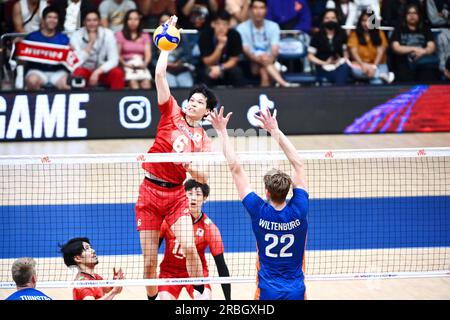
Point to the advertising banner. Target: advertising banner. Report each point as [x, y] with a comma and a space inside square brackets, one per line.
[100, 114]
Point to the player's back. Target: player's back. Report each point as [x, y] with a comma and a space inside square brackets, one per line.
[281, 239]
[28, 294]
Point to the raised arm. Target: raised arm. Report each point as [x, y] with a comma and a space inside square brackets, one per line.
[239, 175]
[269, 122]
[162, 86]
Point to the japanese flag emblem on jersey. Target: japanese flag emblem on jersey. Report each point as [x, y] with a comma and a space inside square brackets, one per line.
[200, 232]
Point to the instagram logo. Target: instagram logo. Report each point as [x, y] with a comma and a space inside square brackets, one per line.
[134, 112]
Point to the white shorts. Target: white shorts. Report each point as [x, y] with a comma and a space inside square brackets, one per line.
[47, 78]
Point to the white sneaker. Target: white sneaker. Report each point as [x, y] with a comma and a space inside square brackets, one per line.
[280, 67]
[388, 78]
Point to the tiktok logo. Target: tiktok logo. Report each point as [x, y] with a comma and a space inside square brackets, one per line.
[264, 103]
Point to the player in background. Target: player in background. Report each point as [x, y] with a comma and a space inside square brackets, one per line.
[280, 227]
[24, 275]
[78, 252]
[206, 235]
[161, 194]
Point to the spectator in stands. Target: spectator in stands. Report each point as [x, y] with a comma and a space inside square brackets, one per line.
[238, 9]
[78, 252]
[443, 46]
[367, 47]
[220, 49]
[180, 70]
[71, 13]
[41, 74]
[413, 49]
[328, 50]
[260, 40]
[27, 15]
[24, 275]
[196, 14]
[97, 49]
[135, 52]
[438, 12]
[393, 11]
[153, 9]
[290, 14]
[112, 13]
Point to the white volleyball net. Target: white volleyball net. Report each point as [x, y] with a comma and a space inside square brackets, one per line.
[373, 213]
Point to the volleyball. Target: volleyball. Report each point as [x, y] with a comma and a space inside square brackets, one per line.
[166, 37]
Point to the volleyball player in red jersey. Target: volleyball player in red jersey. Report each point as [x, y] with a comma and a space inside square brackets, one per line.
[161, 194]
[79, 253]
[206, 235]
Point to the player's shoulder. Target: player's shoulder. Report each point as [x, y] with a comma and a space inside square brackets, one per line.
[252, 197]
[300, 191]
[170, 101]
[207, 221]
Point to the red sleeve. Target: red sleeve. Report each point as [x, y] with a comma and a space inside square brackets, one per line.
[215, 240]
[168, 107]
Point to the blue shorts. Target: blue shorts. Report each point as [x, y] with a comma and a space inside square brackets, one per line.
[268, 293]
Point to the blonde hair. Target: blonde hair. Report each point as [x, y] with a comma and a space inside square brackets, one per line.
[23, 270]
[278, 184]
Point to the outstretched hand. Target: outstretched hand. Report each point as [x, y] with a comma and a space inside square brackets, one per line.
[118, 275]
[218, 121]
[172, 21]
[268, 122]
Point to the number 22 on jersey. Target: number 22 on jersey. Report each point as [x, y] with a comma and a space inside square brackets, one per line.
[272, 241]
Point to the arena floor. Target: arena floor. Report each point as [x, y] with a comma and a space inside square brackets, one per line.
[417, 288]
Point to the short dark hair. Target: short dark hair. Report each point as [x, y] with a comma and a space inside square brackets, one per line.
[50, 9]
[211, 99]
[73, 247]
[192, 184]
[263, 1]
[336, 13]
[221, 15]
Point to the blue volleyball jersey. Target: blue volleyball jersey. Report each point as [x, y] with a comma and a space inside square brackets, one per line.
[281, 239]
[28, 294]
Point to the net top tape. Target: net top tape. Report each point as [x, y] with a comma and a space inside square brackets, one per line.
[218, 156]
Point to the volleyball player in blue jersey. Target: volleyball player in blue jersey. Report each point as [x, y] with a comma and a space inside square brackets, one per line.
[279, 226]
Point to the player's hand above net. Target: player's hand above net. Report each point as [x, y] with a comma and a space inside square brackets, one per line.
[218, 121]
[172, 21]
[118, 275]
[268, 121]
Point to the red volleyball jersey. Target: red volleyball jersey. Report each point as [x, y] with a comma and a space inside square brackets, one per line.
[81, 293]
[206, 235]
[174, 134]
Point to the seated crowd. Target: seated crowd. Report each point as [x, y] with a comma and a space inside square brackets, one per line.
[237, 43]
